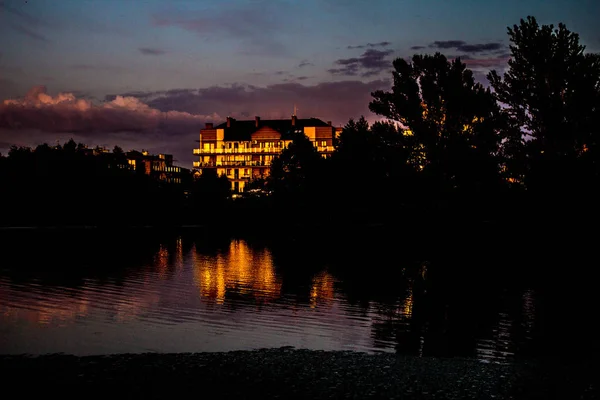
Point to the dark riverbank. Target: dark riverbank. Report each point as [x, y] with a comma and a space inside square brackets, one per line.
[285, 373]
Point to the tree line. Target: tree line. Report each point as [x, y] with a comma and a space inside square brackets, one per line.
[525, 146]
[69, 184]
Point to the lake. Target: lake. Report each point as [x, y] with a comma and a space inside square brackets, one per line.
[87, 292]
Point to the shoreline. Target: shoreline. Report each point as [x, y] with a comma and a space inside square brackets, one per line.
[294, 373]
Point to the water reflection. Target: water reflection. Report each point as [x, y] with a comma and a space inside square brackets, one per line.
[200, 293]
[238, 271]
[321, 290]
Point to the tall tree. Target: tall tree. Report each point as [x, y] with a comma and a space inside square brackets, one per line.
[294, 172]
[452, 123]
[551, 97]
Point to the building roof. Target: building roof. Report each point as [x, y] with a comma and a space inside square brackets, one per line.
[242, 130]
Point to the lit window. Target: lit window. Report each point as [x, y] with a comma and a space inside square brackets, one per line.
[229, 172]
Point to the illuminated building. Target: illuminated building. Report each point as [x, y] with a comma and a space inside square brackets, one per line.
[244, 150]
[156, 166]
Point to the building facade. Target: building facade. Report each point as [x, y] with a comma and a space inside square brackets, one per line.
[158, 167]
[244, 150]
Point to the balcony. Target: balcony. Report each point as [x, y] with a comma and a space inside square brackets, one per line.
[325, 149]
[252, 150]
[198, 164]
[255, 150]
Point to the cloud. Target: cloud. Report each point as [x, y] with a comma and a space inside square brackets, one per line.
[251, 25]
[447, 44]
[305, 63]
[464, 47]
[27, 24]
[335, 101]
[487, 63]
[67, 113]
[30, 33]
[151, 51]
[24, 16]
[363, 46]
[169, 120]
[370, 63]
[417, 47]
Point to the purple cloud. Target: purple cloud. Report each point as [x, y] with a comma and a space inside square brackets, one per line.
[447, 44]
[417, 47]
[363, 46]
[151, 51]
[464, 47]
[489, 63]
[27, 24]
[305, 63]
[29, 33]
[370, 63]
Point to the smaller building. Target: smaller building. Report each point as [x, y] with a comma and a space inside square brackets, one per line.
[159, 166]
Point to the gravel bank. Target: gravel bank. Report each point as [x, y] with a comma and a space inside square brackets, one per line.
[289, 374]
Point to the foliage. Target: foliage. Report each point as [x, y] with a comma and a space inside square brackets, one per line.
[551, 97]
[297, 168]
[452, 124]
[72, 185]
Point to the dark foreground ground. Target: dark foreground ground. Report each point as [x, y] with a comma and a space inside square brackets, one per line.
[289, 374]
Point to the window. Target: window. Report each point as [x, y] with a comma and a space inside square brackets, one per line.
[235, 145]
[246, 172]
[229, 172]
[228, 145]
[323, 143]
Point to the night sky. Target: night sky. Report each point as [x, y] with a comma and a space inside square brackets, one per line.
[148, 74]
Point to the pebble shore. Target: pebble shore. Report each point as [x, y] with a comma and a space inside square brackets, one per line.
[289, 374]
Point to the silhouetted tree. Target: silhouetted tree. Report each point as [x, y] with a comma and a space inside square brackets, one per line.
[453, 128]
[295, 170]
[369, 166]
[551, 94]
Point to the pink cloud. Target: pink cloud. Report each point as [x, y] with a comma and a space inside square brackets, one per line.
[67, 113]
[493, 62]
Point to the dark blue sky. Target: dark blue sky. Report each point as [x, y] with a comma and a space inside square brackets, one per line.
[246, 58]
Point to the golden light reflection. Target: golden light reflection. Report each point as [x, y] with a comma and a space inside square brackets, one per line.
[322, 288]
[65, 312]
[407, 305]
[241, 270]
[161, 261]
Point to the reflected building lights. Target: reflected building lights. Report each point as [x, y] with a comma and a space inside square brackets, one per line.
[161, 262]
[322, 288]
[241, 269]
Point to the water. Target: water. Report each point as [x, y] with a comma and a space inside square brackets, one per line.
[101, 293]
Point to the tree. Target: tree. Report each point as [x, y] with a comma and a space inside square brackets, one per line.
[295, 170]
[370, 163]
[452, 124]
[551, 98]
